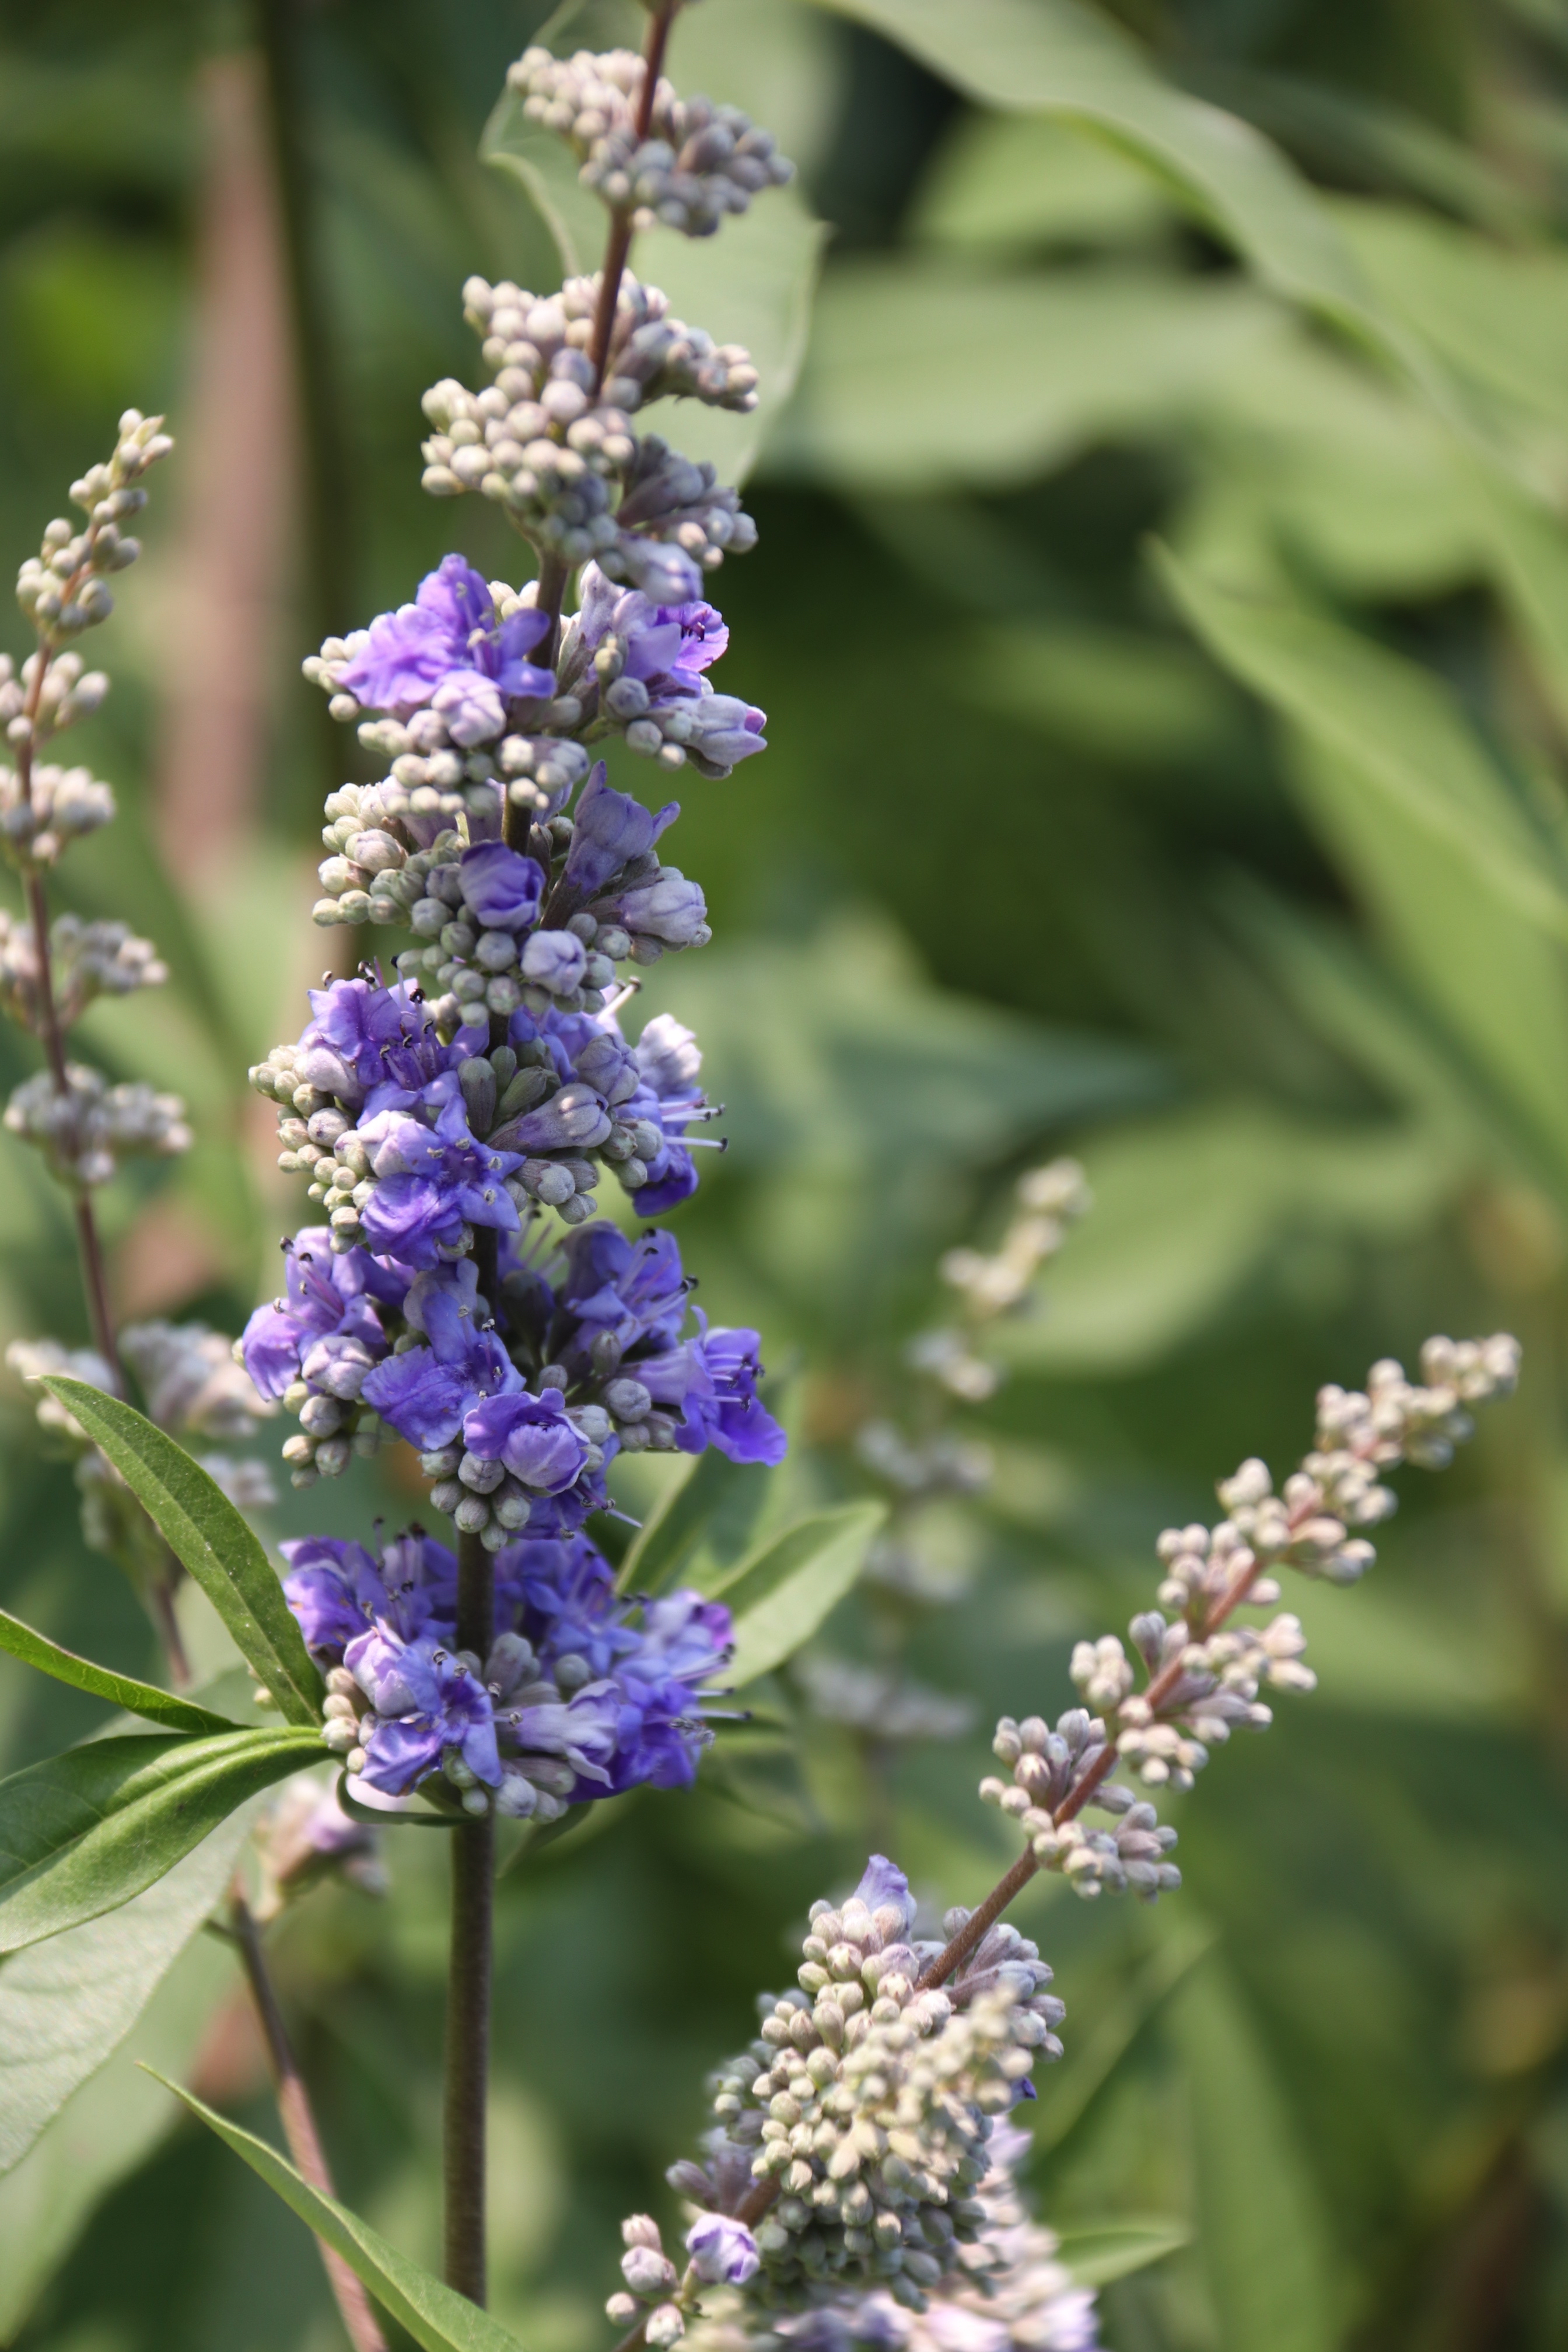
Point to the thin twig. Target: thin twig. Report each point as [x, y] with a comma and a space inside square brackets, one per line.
[299, 2123]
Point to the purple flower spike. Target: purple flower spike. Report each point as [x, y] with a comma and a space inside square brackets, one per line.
[724, 2251]
[404, 658]
[425, 1701]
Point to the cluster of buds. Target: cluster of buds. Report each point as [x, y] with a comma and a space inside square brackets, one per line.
[85, 1133]
[868, 2102]
[1046, 1766]
[63, 589]
[877, 1702]
[57, 806]
[694, 164]
[31, 704]
[86, 960]
[562, 460]
[191, 1382]
[1205, 1670]
[1051, 1198]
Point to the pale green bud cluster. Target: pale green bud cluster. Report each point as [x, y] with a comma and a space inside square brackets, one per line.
[86, 960]
[63, 589]
[62, 804]
[1045, 1766]
[1052, 1200]
[697, 163]
[86, 1131]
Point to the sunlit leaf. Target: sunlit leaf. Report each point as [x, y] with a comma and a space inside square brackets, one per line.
[780, 1595]
[713, 1509]
[213, 1541]
[83, 1832]
[65, 2007]
[1097, 2252]
[437, 2318]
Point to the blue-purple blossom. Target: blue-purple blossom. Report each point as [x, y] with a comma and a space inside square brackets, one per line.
[554, 961]
[683, 1642]
[580, 1731]
[723, 2250]
[374, 1049]
[665, 906]
[666, 646]
[425, 1701]
[336, 1589]
[501, 888]
[533, 1436]
[425, 1392]
[669, 1096]
[628, 1290]
[431, 1182]
[609, 829]
[448, 635]
[326, 1330]
[883, 1886]
[711, 1380]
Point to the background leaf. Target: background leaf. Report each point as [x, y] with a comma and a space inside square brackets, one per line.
[780, 1595]
[136, 1697]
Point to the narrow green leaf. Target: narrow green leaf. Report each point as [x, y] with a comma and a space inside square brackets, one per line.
[212, 1540]
[780, 1595]
[1097, 2252]
[85, 1832]
[66, 2007]
[123, 1690]
[712, 1510]
[436, 2316]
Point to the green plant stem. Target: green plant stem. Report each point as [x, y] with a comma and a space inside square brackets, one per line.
[467, 2052]
[298, 2122]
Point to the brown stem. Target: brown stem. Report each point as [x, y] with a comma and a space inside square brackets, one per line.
[299, 2123]
[161, 1603]
[553, 572]
[467, 2052]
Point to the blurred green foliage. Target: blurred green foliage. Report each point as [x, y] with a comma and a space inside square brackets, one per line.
[1162, 616]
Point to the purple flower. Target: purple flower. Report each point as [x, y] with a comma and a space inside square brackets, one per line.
[555, 961]
[573, 1119]
[425, 1701]
[884, 1887]
[533, 1436]
[712, 1379]
[431, 1182]
[724, 2251]
[682, 1642]
[582, 1731]
[634, 1290]
[666, 646]
[325, 1330]
[562, 1596]
[609, 830]
[503, 889]
[375, 1045]
[404, 657]
[666, 907]
[336, 1588]
[720, 731]
[670, 1098]
[425, 1392]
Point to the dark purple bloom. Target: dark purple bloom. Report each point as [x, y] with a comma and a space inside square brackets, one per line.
[609, 829]
[682, 1642]
[634, 1290]
[425, 1701]
[325, 1329]
[533, 1436]
[425, 1392]
[712, 1380]
[669, 1097]
[501, 888]
[574, 1118]
[336, 1588]
[581, 1732]
[724, 2251]
[375, 1045]
[401, 660]
[562, 1597]
[666, 646]
[431, 1182]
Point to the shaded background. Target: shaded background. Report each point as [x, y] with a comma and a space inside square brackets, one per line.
[1026, 868]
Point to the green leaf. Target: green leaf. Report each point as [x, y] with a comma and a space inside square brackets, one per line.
[66, 2008]
[1131, 346]
[1097, 2252]
[436, 2316]
[212, 1540]
[1468, 891]
[780, 1595]
[85, 1832]
[1010, 181]
[713, 1511]
[123, 1690]
[1261, 2232]
[108, 2129]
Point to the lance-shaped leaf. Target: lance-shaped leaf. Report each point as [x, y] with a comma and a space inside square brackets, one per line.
[147, 1699]
[780, 1595]
[436, 2316]
[713, 1511]
[86, 1831]
[66, 2009]
[1097, 2252]
[210, 1537]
